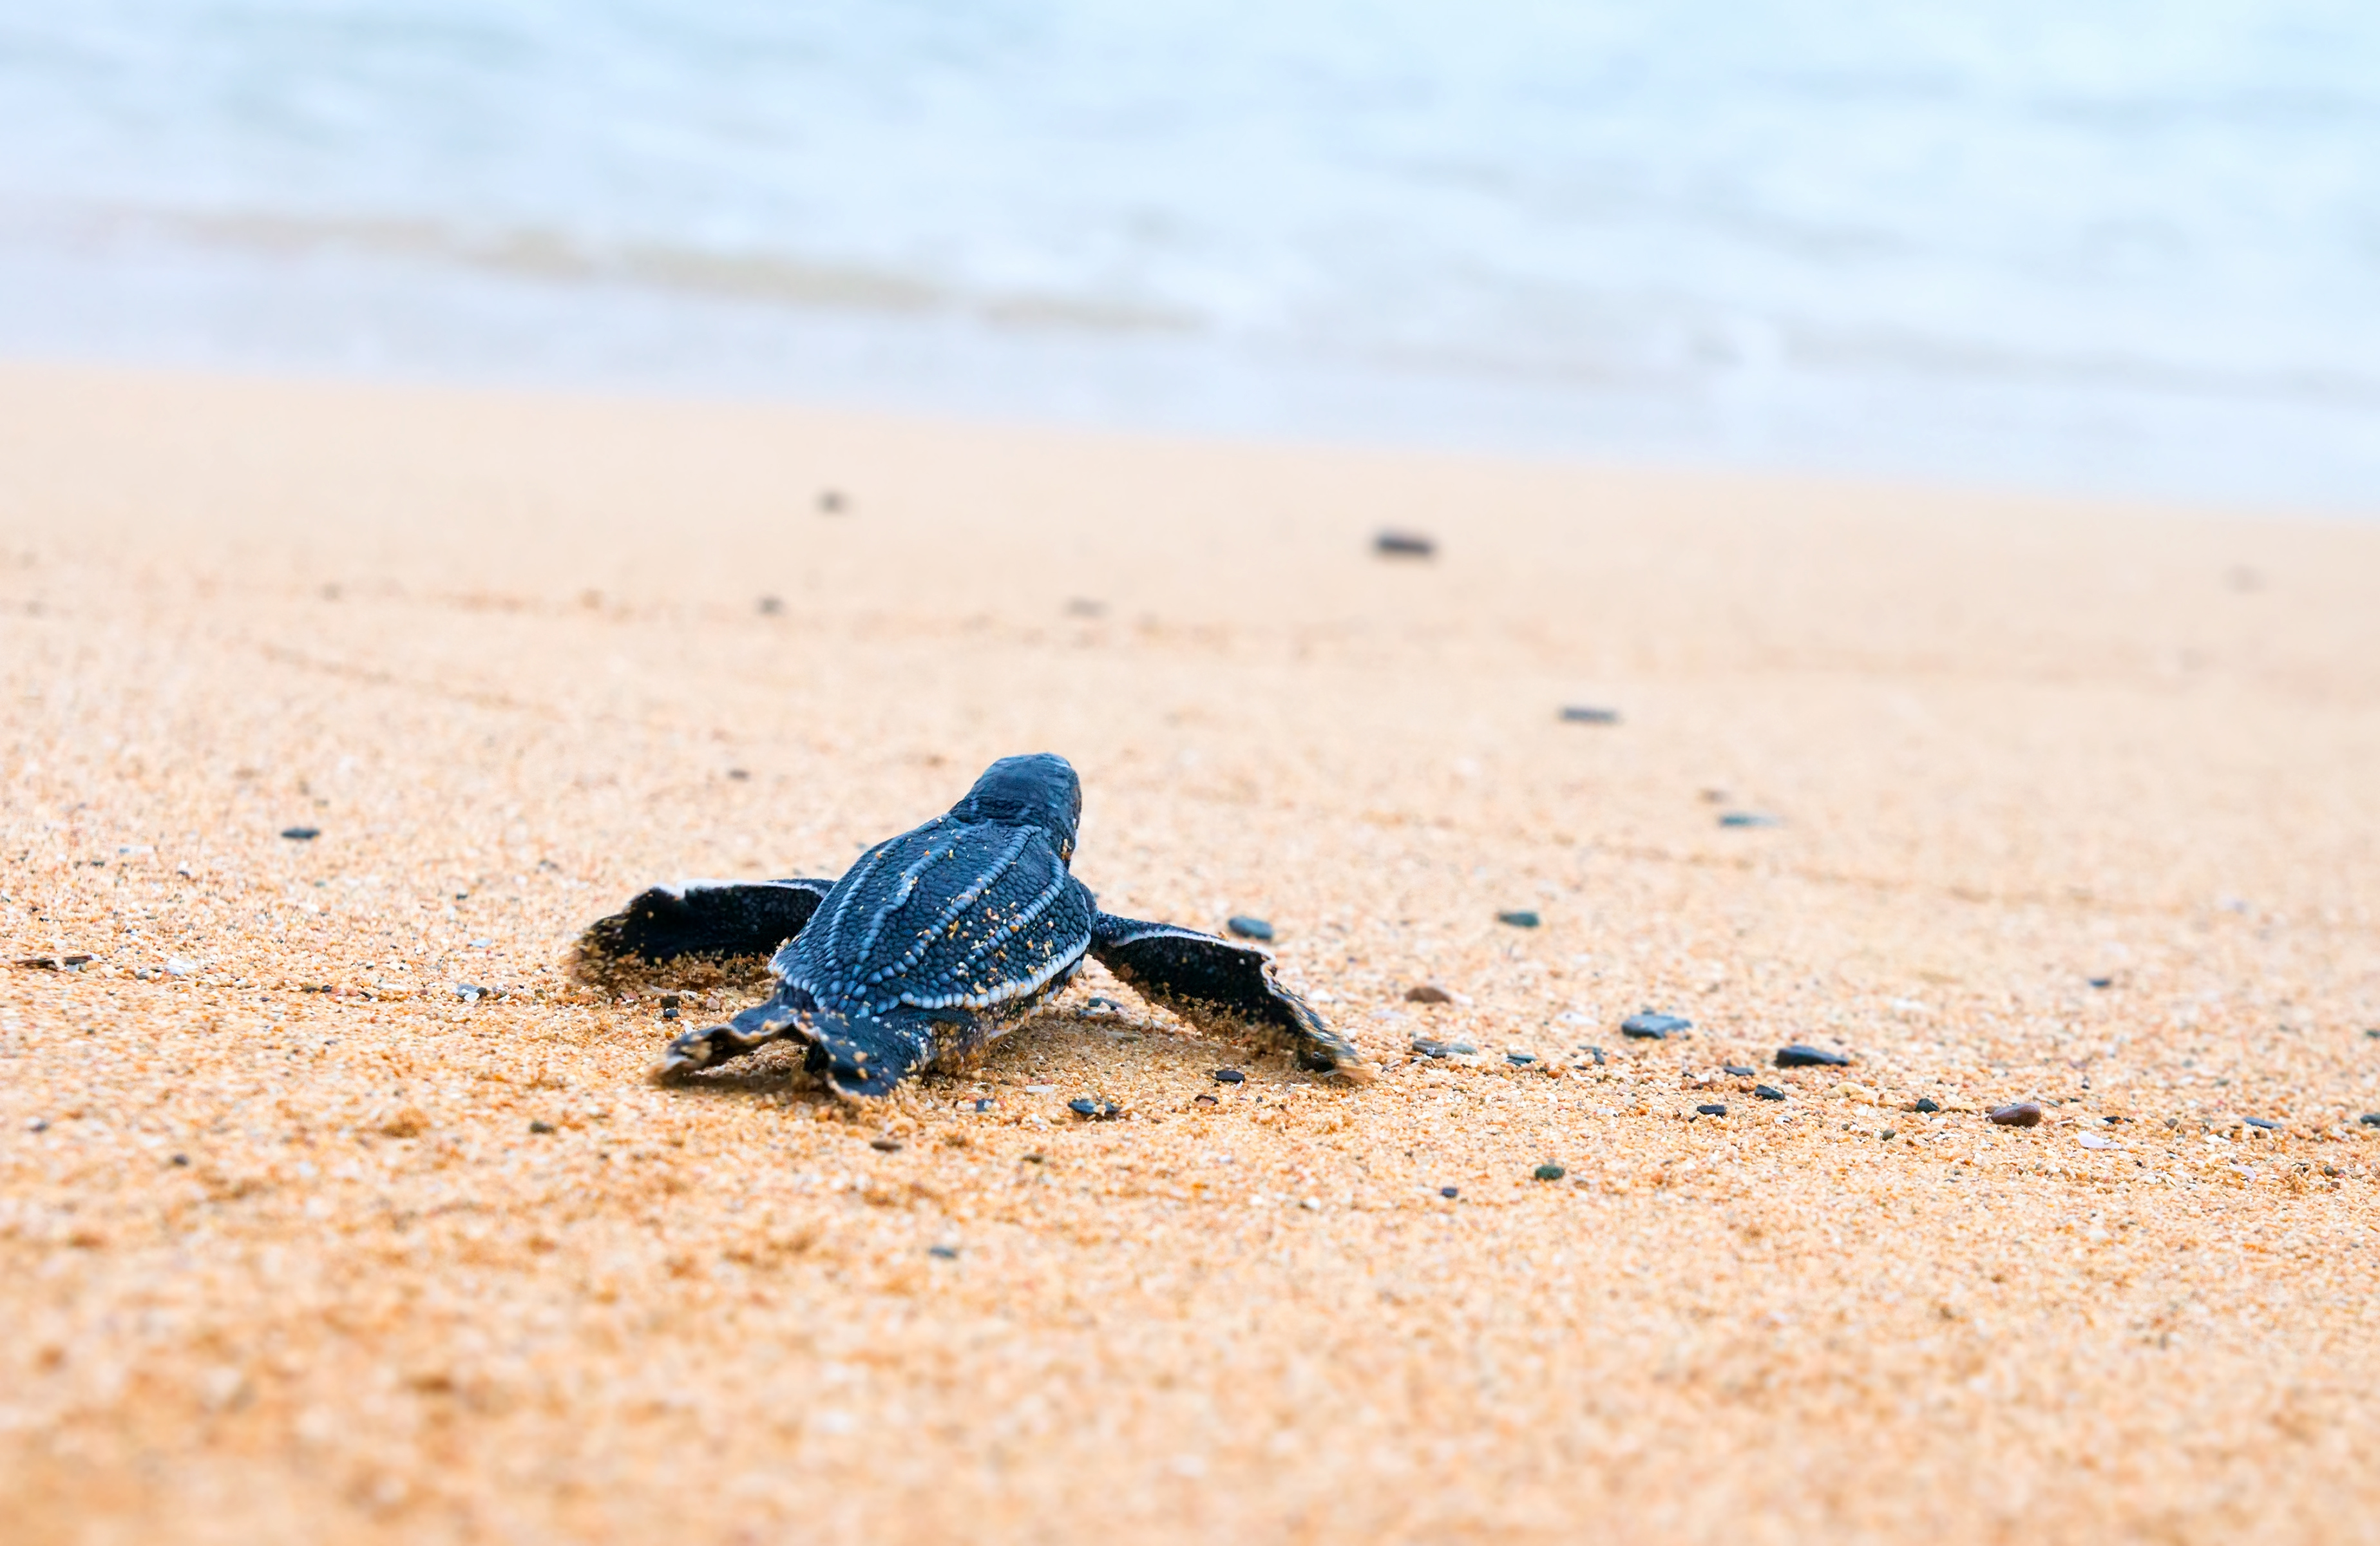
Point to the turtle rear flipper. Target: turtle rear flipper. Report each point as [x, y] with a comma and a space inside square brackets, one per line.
[769, 1021]
[1216, 984]
[861, 1056]
[712, 921]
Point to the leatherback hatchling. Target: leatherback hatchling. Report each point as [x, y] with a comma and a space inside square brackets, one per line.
[939, 939]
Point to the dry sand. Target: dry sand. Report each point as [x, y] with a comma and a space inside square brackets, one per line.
[283, 1264]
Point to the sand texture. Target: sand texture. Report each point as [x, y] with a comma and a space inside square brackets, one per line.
[299, 1240]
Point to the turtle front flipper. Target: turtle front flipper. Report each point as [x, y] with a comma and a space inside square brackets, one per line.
[1218, 985]
[724, 922]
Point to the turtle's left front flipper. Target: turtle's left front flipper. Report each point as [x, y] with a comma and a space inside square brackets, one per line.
[1218, 985]
[697, 920]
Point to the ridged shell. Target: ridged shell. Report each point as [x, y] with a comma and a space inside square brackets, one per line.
[952, 915]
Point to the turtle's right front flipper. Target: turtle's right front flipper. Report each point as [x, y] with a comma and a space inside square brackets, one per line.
[1216, 984]
[710, 920]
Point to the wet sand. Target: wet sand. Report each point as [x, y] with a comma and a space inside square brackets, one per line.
[302, 1239]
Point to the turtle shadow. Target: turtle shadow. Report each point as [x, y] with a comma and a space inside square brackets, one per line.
[1137, 1049]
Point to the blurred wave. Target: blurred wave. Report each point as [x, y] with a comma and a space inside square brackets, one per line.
[2131, 245]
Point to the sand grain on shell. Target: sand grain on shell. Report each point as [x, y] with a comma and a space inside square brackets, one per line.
[301, 1242]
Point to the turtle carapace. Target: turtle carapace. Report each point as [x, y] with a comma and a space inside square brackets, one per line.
[941, 939]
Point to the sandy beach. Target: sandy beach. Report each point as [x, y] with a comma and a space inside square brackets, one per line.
[332, 1208]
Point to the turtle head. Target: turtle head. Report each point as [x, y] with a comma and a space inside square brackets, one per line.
[1038, 790]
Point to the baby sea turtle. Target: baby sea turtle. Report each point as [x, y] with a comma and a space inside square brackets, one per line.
[938, 941]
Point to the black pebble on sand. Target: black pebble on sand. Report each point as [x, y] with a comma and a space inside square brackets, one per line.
[1549, 1173]
[1523, 919]
[947, 1253]
[1429, 1048]
[1249, 928]
[1711, 1108]
[1404, 544]
[1103, 1110]
[1520, 1060]
[1229, 1076]
[1654, 1028]
[1768, 1092]
[885, 1145]
[1798, 1056]
[1450, 1191]
[2370, 1119]
[1740, 1071]
[1747, 819]
[2260, 1122]
[2100, 981]
[301, 834]
[1926, 1105]
[2024, 1113]
[1579, 713]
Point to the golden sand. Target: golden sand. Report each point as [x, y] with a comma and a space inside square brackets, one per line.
[395, 1262]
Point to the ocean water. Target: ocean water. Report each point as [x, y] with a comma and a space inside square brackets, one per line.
[2114, 246]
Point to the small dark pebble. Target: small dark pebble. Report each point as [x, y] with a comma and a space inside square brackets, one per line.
[669, 1013]
[947, 1253]
[2370, 1119]
[2024, 1113]
[1739, 1070]
[2111, 1121]
[1450, 1191]
[42, 1124]
[2100, 981]
[1579, 713]
[885, 1145]
[831, 502]
[1653, 1027]
[1521, 1059]
[1746, 819]
[772, 605]
[1888, 1134]
[1404, 544]
[1594, 1053]
[51, 963]
[1032, 1159]
[1768, 1092]
[301, 834]
[1230, 1075]
[181, 1159]
[1713, 1108]
[741, 775]
[2260, 1122]
[1524, 919]
[1428, 994]
[1549, 1173]
[2373, 1033]
[539, 1125]
[1798, 1056]
[1249, 928]
[671, 1001]
[1460, 1049]
[983, 1103]
[1429, 1048]
[1102, 1111]
[1098, 1002]
[1204, 1101]
[1926, 1104]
